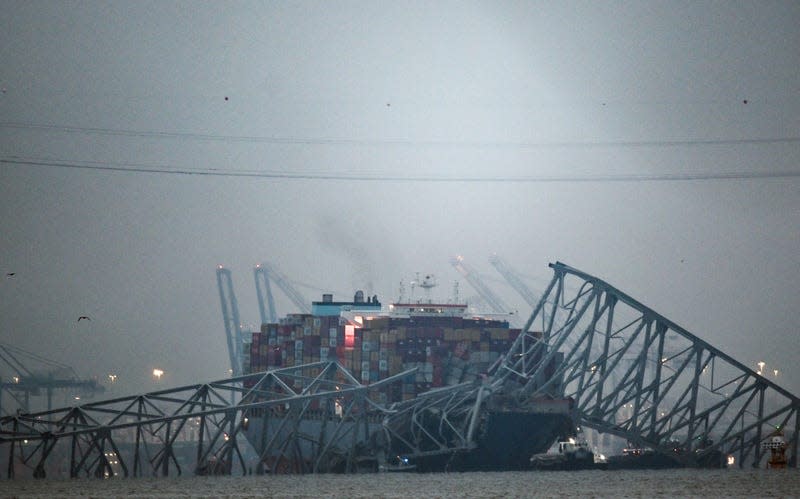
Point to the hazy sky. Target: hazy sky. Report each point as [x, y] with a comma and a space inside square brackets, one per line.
[420, 130]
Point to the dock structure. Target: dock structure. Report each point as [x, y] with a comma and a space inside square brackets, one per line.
[627, 370]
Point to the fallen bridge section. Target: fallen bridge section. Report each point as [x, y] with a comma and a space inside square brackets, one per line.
[196, 427]
[637, 375]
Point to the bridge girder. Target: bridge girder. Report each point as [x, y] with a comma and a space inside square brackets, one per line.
[635, 374]
[630, 372]
[139, 435]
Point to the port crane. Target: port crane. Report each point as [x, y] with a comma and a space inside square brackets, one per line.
[514, 280]
[476, 282]
[26, 381]
[265, 273]
[489, 297]
[230, 315]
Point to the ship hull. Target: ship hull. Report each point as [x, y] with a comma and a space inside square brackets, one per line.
[506, 442]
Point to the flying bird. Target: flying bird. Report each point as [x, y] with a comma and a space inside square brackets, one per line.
[84, 317]
[10, 274]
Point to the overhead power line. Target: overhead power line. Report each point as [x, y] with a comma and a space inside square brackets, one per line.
[648, 177]
[343, 141]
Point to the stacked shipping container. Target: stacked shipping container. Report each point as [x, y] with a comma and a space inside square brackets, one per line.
[445, 350]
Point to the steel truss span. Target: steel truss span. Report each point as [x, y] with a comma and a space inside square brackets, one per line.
[629, 371]
[635, 374]
[310, 418]
[196, 427]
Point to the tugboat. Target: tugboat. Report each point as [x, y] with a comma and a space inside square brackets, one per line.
[637, 457]
[398, 464]
[776, 444]
[568, 454]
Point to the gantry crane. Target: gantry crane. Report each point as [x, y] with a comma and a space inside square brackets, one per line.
[230, 315]
[495, 303]
[514, 280]
[26, 381]
[266, 272]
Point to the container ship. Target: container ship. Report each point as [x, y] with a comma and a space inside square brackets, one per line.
[432, 402]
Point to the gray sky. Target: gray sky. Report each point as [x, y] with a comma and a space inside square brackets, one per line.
[385, 100]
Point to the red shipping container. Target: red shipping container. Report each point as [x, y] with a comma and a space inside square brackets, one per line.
[253, 350]
[437, 375]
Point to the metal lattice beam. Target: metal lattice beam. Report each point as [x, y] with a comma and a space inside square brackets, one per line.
[635, 374]
[230, 316]
[265, 273]
[150, 434]
[491, 299]
[629, 371]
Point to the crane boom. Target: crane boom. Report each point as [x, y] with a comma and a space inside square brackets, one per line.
[268, 272]
[230, 315]
[476, 282]
[514, 280]
[268, 314]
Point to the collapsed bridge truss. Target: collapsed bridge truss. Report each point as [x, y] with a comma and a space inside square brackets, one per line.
[635, 374]
[310, 418]
[197, 427]
[630, 372]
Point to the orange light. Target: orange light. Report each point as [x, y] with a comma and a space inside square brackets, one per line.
[349, 336]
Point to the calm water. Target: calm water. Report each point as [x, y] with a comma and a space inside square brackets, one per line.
[662, 483]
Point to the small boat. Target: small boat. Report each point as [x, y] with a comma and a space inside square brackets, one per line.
[400, 465]
[568, 454]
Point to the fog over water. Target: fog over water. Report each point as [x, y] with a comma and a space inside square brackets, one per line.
[655, 145]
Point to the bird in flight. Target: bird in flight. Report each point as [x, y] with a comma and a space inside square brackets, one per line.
[10, 274]
[84, 317]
